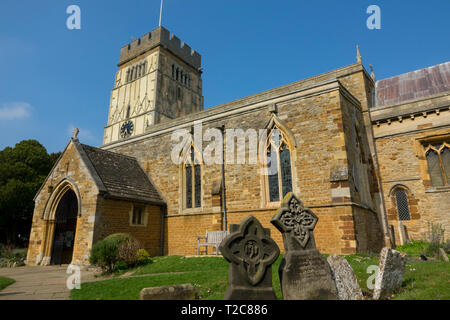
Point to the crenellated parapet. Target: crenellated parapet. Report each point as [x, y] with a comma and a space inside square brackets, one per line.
[160, 36]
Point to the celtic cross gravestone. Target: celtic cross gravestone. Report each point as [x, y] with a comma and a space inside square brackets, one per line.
[304, 272]
[251, 252]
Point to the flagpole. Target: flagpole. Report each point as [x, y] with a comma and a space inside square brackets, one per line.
[160, 13]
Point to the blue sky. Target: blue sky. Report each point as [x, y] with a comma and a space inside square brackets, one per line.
[54, 79]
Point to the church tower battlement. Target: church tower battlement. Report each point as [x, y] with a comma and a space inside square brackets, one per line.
[160, 37]
[159, 79]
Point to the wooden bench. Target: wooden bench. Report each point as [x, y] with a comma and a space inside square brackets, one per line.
[212, 238]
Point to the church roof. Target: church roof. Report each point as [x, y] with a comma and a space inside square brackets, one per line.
[413, 85]
[119, 176]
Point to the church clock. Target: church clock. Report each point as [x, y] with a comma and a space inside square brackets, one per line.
[127, 129]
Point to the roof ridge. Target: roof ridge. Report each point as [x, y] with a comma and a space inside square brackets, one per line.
[112, 152]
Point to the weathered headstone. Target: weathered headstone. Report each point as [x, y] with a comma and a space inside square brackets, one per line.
[403, 233]
[392, 234]
[346, 283]
[443, 255]
[304, 272]
[390, 274]
[251, 252]
[176, 292]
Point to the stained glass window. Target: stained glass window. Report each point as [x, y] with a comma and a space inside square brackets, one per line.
[193, 180]
[402, 204]
[198, 186]
[438, 160]
[274, 192]
[286, 177]
[279, 166]
[445, 155]
[188, 186]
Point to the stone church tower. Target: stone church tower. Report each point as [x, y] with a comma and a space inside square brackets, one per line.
[159, 79]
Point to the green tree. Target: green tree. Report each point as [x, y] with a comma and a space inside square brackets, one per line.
[22, 171]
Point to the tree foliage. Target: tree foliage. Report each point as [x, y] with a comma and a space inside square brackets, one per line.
[22, 171]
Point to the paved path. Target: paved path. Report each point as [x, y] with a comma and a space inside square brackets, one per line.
[39, 283]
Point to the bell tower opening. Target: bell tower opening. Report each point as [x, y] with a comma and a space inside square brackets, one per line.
[159, 79]
[65, 227]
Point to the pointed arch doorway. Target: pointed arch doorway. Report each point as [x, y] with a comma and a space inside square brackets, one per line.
[65, 226]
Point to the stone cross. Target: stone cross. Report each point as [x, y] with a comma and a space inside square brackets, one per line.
[75, 133]
[296, 221]
[304, 272]
[251, 252]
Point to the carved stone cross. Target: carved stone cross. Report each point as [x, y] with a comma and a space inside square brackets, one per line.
[304, 273]
[75, 133]
[251, 253]
[295, 220]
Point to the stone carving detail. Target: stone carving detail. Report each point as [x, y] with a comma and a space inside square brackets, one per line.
[251, 249]
[251, 253]
[304, 273]
[296, 219]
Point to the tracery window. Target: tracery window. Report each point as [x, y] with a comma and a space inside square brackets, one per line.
[279, 176]
[438, 159]
[193, 182]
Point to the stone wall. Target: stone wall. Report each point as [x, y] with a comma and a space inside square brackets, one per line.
[403, 163]
[69, 171]
[313, 115]
[114, 216]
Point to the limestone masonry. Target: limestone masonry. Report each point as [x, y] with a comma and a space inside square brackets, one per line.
[363, 155]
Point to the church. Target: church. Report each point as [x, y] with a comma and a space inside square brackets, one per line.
[370, 158]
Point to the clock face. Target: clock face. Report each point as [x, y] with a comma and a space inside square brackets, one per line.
[127, 129]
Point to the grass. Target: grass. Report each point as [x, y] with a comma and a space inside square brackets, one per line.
[4, 282]
[423, 279]
[414, 248]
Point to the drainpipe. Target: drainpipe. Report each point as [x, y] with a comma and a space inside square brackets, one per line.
[224, 201]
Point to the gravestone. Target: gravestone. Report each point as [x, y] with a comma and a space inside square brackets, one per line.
[304, 272]
[390, 275]
[346, 283]
[176, 292]
[251, 252]
[403, 233]
[443, 255]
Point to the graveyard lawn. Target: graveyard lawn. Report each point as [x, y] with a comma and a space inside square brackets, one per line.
[424, 280]
[4, 282]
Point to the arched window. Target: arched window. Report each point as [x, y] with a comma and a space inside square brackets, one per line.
[438, 159]
[128, 111]
[401, 200]
[192, 180]
[279, 178]
[173, 71]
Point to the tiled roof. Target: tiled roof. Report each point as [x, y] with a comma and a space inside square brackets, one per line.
[121, 176]
[413, 85]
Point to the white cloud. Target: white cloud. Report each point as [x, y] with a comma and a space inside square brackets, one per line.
[15, 110]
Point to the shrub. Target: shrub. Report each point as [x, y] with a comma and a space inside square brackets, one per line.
[143, 257]
[105, 252]
[435, 236]
[128, 252]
